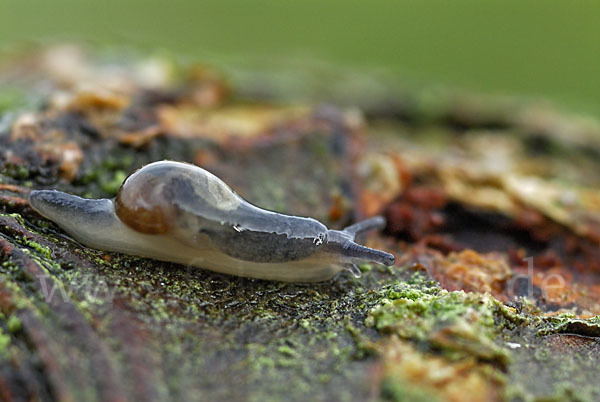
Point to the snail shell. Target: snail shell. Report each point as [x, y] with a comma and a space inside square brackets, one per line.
[173, 211]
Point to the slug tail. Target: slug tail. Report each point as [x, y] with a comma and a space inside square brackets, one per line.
[72, 213]
[54, 204]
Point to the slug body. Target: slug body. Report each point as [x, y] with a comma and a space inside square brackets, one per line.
[173, 211]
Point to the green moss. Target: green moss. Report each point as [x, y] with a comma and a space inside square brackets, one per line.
[365, 267]
[5, 342]
[41, 250]
[523, 342]
[398, 391]
[105, 178]
[14, 171]
[457, 323]
[568, 323]
[288, 351]
[17, 217]
[112, 184]
[13, 324]
[10, 266]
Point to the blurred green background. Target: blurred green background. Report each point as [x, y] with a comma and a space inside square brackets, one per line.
[546, 49]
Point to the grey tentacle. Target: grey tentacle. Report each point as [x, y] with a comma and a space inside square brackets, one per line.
[351, 249]
[376, 222]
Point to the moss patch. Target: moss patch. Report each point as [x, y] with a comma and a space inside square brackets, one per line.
[531, 355]
[457, 323]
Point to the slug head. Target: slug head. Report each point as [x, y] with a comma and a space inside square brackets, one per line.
[342, 243]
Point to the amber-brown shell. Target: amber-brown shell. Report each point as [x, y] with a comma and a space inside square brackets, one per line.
[142, 206]
[165, 195]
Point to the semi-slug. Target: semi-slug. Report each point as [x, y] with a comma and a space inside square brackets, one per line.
[174, 211]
